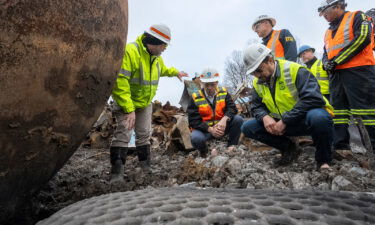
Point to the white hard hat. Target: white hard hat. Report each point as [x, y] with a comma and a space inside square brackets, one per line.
[161, 32]
[328, 3]
[254, 55]
[209, 75]
[264, 17]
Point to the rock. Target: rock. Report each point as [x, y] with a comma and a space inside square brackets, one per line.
[191, 184]
[234, 166]
[233, 185]
[340, 183]
[357, 149]
[219, 161]
[324, 186]
[299, 180]
[358, 171]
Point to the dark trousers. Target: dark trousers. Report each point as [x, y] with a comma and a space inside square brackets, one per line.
[353, 93]
[233, 129]
[318, 123]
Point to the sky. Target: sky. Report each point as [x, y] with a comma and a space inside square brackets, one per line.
[205, 32]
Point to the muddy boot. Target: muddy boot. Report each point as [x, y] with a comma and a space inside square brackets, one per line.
[118, 157]
[203, 152]
[143, 153]
[289, 155]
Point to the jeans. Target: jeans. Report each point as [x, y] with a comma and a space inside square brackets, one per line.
[233, 129]
[317, 123]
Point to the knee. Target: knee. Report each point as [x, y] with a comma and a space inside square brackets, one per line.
[318, 118]
[249, 128]
[237, 121]
[197, 138]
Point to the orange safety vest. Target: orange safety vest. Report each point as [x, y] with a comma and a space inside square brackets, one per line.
[209, 116]
[275, 45]
[343, 37]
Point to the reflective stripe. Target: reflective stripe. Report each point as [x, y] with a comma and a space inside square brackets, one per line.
[273, 45]
[289, 81]
[360, 40]
[140, 80]
[341, 121]
[346, 36]
[341, 112]
[363, 112]
[318, 71]
[126, 73]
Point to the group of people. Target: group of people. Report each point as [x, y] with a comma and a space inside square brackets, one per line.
[288, 99]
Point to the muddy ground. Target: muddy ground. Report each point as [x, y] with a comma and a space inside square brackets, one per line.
[87, 174]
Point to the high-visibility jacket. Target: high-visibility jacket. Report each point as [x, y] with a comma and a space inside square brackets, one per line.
[321, 75]
[211, 116]
[138, 78]
[343, 37]
[275, 45]
[286, 93]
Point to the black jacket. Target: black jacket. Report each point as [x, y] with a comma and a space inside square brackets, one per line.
[309, 95]
[288, 42]
[362, 37]
[195, 119]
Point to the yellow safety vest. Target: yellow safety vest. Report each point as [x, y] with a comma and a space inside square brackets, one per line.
[286, 93]
[321, 75]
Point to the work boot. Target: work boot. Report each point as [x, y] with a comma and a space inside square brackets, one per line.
[203, 152]
[288, 155]
[143, 153]
[118, 158]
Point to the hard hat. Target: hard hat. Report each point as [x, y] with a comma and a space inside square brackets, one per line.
[209, 75]
[161, 32]
[371, 13]
[264, 17]
[304, 48]
[254, 55]
[328, 3]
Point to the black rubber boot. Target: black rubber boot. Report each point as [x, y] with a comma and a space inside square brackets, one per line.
[118, 158]
[288, 155]
[203, 152]
[143, 153]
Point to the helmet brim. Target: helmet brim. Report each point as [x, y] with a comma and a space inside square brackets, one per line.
[273, 22]
[209, 80]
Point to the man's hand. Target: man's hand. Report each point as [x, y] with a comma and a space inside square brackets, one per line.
[269, 124]
[222, 124]
[130, 121]
[279, 128]
[215, 132]
[182, 74]
[329, 66]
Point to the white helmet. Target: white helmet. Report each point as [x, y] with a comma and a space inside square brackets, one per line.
[328, 3]
[209, 75]
[161, 32]
[254, 55]
[264, 17]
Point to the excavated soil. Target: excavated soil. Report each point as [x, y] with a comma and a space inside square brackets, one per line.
[87, 174]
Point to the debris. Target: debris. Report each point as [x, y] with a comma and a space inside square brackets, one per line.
[339, 183]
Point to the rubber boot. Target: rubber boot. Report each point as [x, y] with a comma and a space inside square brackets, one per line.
[288, 155]
[118, 158]
[143, 153]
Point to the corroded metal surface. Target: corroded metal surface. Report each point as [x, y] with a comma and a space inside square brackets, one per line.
[58, 62]
[183, 206]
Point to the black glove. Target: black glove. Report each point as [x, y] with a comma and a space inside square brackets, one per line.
[329, 66]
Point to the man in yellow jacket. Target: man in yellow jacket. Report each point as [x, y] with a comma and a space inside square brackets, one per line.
[135, 87]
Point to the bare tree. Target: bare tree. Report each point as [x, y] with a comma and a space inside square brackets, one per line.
[235, 71]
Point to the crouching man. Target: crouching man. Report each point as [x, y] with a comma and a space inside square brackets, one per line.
[212, 113]
[287, 102]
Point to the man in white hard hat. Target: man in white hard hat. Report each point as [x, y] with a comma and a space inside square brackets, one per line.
[287, 102]
[212, 113]
[349, 57]
[135, 87]
[281, 42]
[315, 65]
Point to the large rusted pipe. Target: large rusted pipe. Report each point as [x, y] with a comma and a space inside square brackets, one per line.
[58, 62]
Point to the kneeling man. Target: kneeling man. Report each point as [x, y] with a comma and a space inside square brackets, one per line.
[287, 102]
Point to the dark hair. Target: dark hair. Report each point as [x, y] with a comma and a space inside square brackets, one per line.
[149, 39]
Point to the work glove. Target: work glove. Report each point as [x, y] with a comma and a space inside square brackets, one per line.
[329, 66]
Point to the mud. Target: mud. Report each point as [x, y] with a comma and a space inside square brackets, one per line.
[87, 174]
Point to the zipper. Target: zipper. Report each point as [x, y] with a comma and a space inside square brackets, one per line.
[273, 98]
[151, 62]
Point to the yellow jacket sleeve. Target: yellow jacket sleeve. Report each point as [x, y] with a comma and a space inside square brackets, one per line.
[121, 92]
[167, 72]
